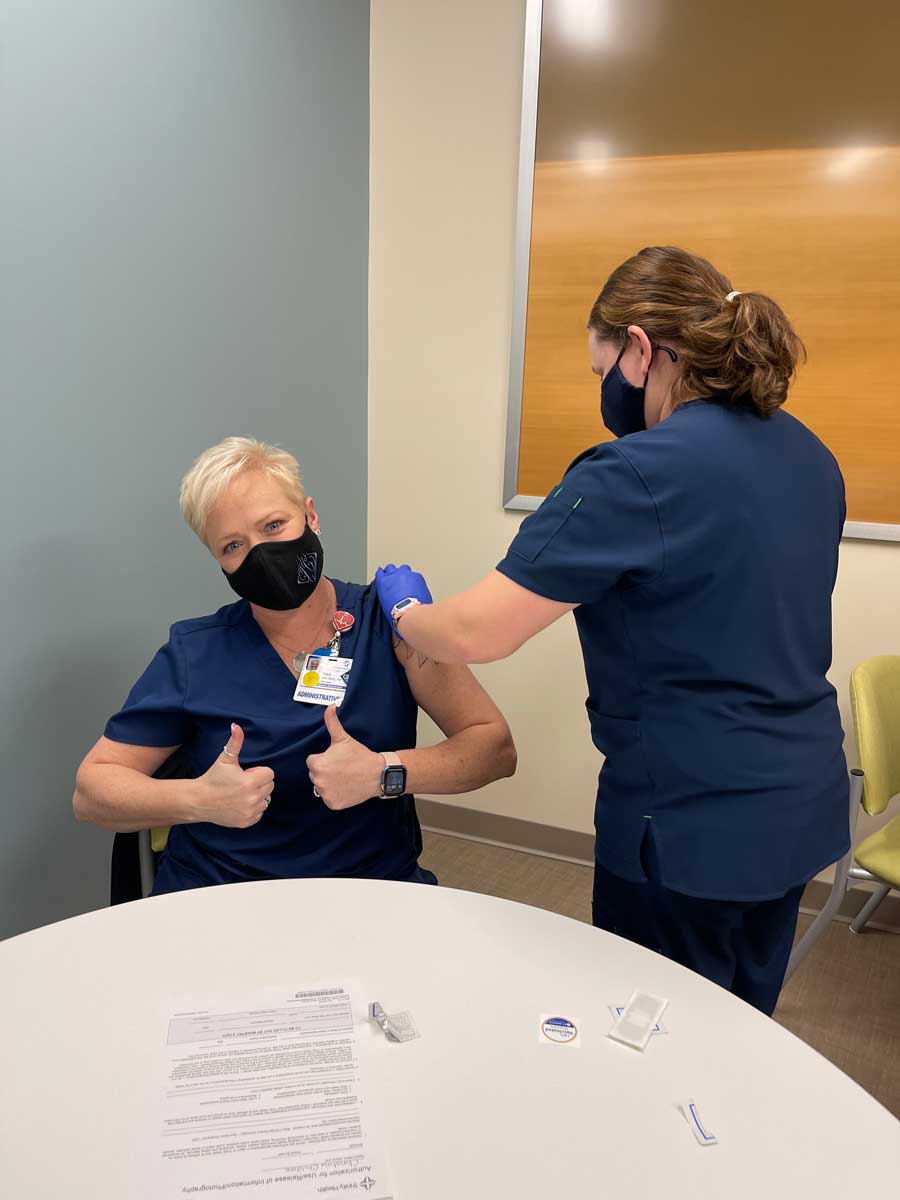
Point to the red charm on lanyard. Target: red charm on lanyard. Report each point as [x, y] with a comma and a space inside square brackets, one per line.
[343, 621]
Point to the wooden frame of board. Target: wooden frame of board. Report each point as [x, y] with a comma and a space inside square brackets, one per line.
[513, 498]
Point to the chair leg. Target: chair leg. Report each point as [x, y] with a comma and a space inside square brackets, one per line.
[839, 888]
[815, 931]
[146, 856]
[868, 909]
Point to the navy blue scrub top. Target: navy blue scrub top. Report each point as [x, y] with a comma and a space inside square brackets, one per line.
[222, 668]
[703, 553]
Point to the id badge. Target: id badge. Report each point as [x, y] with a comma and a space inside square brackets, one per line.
[323, 680]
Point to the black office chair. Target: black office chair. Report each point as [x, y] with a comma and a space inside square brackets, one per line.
[126, 882]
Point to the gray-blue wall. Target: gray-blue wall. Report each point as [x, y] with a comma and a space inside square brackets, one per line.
[183, 228]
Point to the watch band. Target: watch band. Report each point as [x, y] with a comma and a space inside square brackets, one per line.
[391, 759]
[401, 607]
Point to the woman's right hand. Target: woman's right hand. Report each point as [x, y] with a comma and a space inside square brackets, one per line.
[229, 795]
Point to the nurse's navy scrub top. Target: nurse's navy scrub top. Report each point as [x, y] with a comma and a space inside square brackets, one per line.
[703, 553]
[222, 668]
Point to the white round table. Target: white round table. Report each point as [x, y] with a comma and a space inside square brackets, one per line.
[477, 1106]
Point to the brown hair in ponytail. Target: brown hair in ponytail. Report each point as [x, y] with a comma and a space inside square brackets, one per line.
[742, 351]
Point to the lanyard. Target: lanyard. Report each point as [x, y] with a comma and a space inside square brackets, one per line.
[333, 648]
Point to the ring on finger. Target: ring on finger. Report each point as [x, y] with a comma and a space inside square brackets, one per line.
[268, 800]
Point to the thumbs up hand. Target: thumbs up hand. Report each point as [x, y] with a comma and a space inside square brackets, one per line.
[229, 795]
[348, 772]
[335, 728]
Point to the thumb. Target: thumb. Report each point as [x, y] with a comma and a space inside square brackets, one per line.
[234, 745]
[334, 726]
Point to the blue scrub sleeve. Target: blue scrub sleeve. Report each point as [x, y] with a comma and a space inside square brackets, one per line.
[597, 529]
[154, 713]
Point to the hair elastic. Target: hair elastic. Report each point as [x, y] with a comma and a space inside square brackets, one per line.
[731, 296]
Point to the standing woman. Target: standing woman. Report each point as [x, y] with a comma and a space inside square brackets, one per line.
[699, 552]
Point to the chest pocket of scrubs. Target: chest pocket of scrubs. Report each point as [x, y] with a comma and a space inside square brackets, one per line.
[538, 530]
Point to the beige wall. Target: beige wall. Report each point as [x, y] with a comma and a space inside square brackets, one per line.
[446, 87]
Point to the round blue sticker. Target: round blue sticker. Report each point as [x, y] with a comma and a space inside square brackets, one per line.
[559, 1029]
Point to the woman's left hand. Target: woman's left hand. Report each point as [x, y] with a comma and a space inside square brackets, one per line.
[399, 583]
[348, 772]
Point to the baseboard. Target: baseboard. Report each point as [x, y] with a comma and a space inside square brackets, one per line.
[511, 832]
[572, 846]
[887, 916]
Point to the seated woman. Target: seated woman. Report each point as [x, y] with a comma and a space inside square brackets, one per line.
[302, 767]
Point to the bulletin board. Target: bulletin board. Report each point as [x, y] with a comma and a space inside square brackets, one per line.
[768, 142]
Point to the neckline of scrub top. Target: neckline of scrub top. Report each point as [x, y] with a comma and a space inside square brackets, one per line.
[278, 664]
[731, 405]
[696, 400]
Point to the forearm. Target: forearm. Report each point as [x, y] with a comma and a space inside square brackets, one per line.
[446, 632]
[489, 621]
[469, 760]
[125, 800]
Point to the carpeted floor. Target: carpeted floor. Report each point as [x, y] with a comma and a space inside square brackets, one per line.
[844, 1000]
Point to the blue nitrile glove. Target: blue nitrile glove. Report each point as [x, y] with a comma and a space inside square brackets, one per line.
[399, 583]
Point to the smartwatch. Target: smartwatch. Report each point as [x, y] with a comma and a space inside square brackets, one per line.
[400, 608]
[393, 777]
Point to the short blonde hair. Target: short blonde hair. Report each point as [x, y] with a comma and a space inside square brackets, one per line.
[216, 467]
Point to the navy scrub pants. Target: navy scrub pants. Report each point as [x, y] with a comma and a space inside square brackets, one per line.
[744, 946]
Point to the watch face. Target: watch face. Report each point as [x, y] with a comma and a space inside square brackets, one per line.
[394, 781]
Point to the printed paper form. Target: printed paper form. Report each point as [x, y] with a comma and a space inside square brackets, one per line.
[264, 1093]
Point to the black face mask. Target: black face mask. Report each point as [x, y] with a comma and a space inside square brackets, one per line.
[280, 575]
[621, 402]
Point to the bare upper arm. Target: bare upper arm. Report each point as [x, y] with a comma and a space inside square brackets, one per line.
[449, 693]
[146, 759]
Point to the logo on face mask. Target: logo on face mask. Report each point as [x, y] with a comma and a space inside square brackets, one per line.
[308, 567]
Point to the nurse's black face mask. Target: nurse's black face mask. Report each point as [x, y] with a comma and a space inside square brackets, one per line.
[621, 402]
[280, 575]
